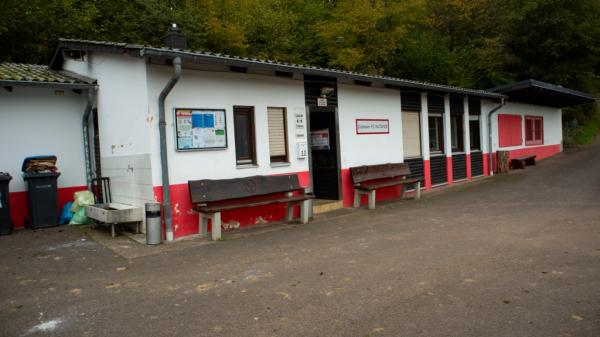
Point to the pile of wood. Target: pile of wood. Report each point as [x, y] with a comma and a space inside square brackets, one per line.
[502, 161]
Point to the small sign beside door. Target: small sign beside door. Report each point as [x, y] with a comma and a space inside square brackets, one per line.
[322, 102]
[372, 126]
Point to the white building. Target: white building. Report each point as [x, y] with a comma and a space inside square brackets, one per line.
[228, 117]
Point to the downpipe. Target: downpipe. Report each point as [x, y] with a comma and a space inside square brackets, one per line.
[162, 124]
[490, 138]
[86, 135]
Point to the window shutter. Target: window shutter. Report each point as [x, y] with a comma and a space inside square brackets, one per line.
[411, 134]
[276, 120]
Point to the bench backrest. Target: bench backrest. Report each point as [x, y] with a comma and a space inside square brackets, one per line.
[374, 172]
[204, 191]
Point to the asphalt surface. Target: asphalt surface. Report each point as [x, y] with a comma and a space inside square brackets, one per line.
[514, 255]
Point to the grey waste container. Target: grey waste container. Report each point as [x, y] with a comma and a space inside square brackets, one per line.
[42, 197]
[153, 224]
[6, 224]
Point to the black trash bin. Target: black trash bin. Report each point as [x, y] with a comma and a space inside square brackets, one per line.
[42, 191]
[6, 224]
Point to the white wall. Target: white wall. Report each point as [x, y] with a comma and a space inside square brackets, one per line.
[356, 102]
[223, 90]
[124, 121]
[552, 123]
[36, 121]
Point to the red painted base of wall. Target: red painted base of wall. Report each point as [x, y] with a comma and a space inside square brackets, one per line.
[468, 159]
[449, 174]
[185, 220]
[19, 208]
[486, 166]
[427, 174]
[541, 152]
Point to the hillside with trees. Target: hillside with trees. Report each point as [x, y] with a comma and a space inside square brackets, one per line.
[468, 43]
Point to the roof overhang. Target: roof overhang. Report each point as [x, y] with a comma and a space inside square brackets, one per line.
[251, 63]
[545, 94]
[57, 85]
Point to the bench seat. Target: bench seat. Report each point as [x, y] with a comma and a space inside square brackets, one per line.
[211, 197]
[229, 205]
[367, 179]
[373, 185]
[521, 162]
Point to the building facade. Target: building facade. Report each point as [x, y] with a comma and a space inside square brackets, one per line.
[228, 117]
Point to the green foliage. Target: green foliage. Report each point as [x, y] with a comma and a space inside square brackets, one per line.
[469, 43]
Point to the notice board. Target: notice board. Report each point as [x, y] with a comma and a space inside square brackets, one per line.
[200, 129]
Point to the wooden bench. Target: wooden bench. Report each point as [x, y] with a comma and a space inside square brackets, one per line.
[211, 197]
[521, 162]
[367, 179]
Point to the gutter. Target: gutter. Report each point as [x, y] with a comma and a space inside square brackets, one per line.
[489, 125]
[86, 135]
[164, 163]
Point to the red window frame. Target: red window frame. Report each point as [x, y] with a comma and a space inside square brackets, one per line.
[534, 130]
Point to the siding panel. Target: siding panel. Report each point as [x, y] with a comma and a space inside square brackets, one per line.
[438, 170]
[476, 164]
[459, 166]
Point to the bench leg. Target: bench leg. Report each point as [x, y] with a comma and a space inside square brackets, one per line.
[356, 198]
[403, 187]
[372, 196]
[216, 226]
[289, 212]
[304, 211]
[202, 225]
[417, 190]
[112, 230]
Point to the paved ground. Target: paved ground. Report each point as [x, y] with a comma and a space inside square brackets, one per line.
[516, 255]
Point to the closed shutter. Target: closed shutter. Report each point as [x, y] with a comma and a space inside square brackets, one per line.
[277, 141]
[411, 134]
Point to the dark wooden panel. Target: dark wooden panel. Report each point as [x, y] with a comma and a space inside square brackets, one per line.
[457, 105]
[410, 100]
[374, 172]
[459, 166]
[438, 170]
[416, 167]
[435, 103]
[203, 191]
[474, 106]
[476, 164]
[312, 90]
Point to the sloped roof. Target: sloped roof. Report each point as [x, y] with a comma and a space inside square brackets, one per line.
[34, 74]
[137, 50]
[541, 93]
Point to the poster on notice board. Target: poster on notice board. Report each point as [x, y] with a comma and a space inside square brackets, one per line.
[200, 129]
[319, 139]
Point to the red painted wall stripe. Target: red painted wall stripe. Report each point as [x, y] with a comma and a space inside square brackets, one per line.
[468, 162]
[427, 173]
[19, 208]
[449, 174]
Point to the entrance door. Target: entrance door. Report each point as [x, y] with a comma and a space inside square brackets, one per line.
[321, 99]
[324, 149]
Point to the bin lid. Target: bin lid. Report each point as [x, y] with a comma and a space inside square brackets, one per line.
[5, 176]
[33, 175]
[51, 159]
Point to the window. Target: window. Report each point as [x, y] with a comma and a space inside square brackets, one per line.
[534, 130]
[243, 119]
[411, 134]
[277, 135]
[509, 130]
[436, 134]
[456, 133]
[474, 135]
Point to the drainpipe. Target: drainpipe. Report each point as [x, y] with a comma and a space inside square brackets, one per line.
[489, 125]
[162, 124]
[86, 135]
